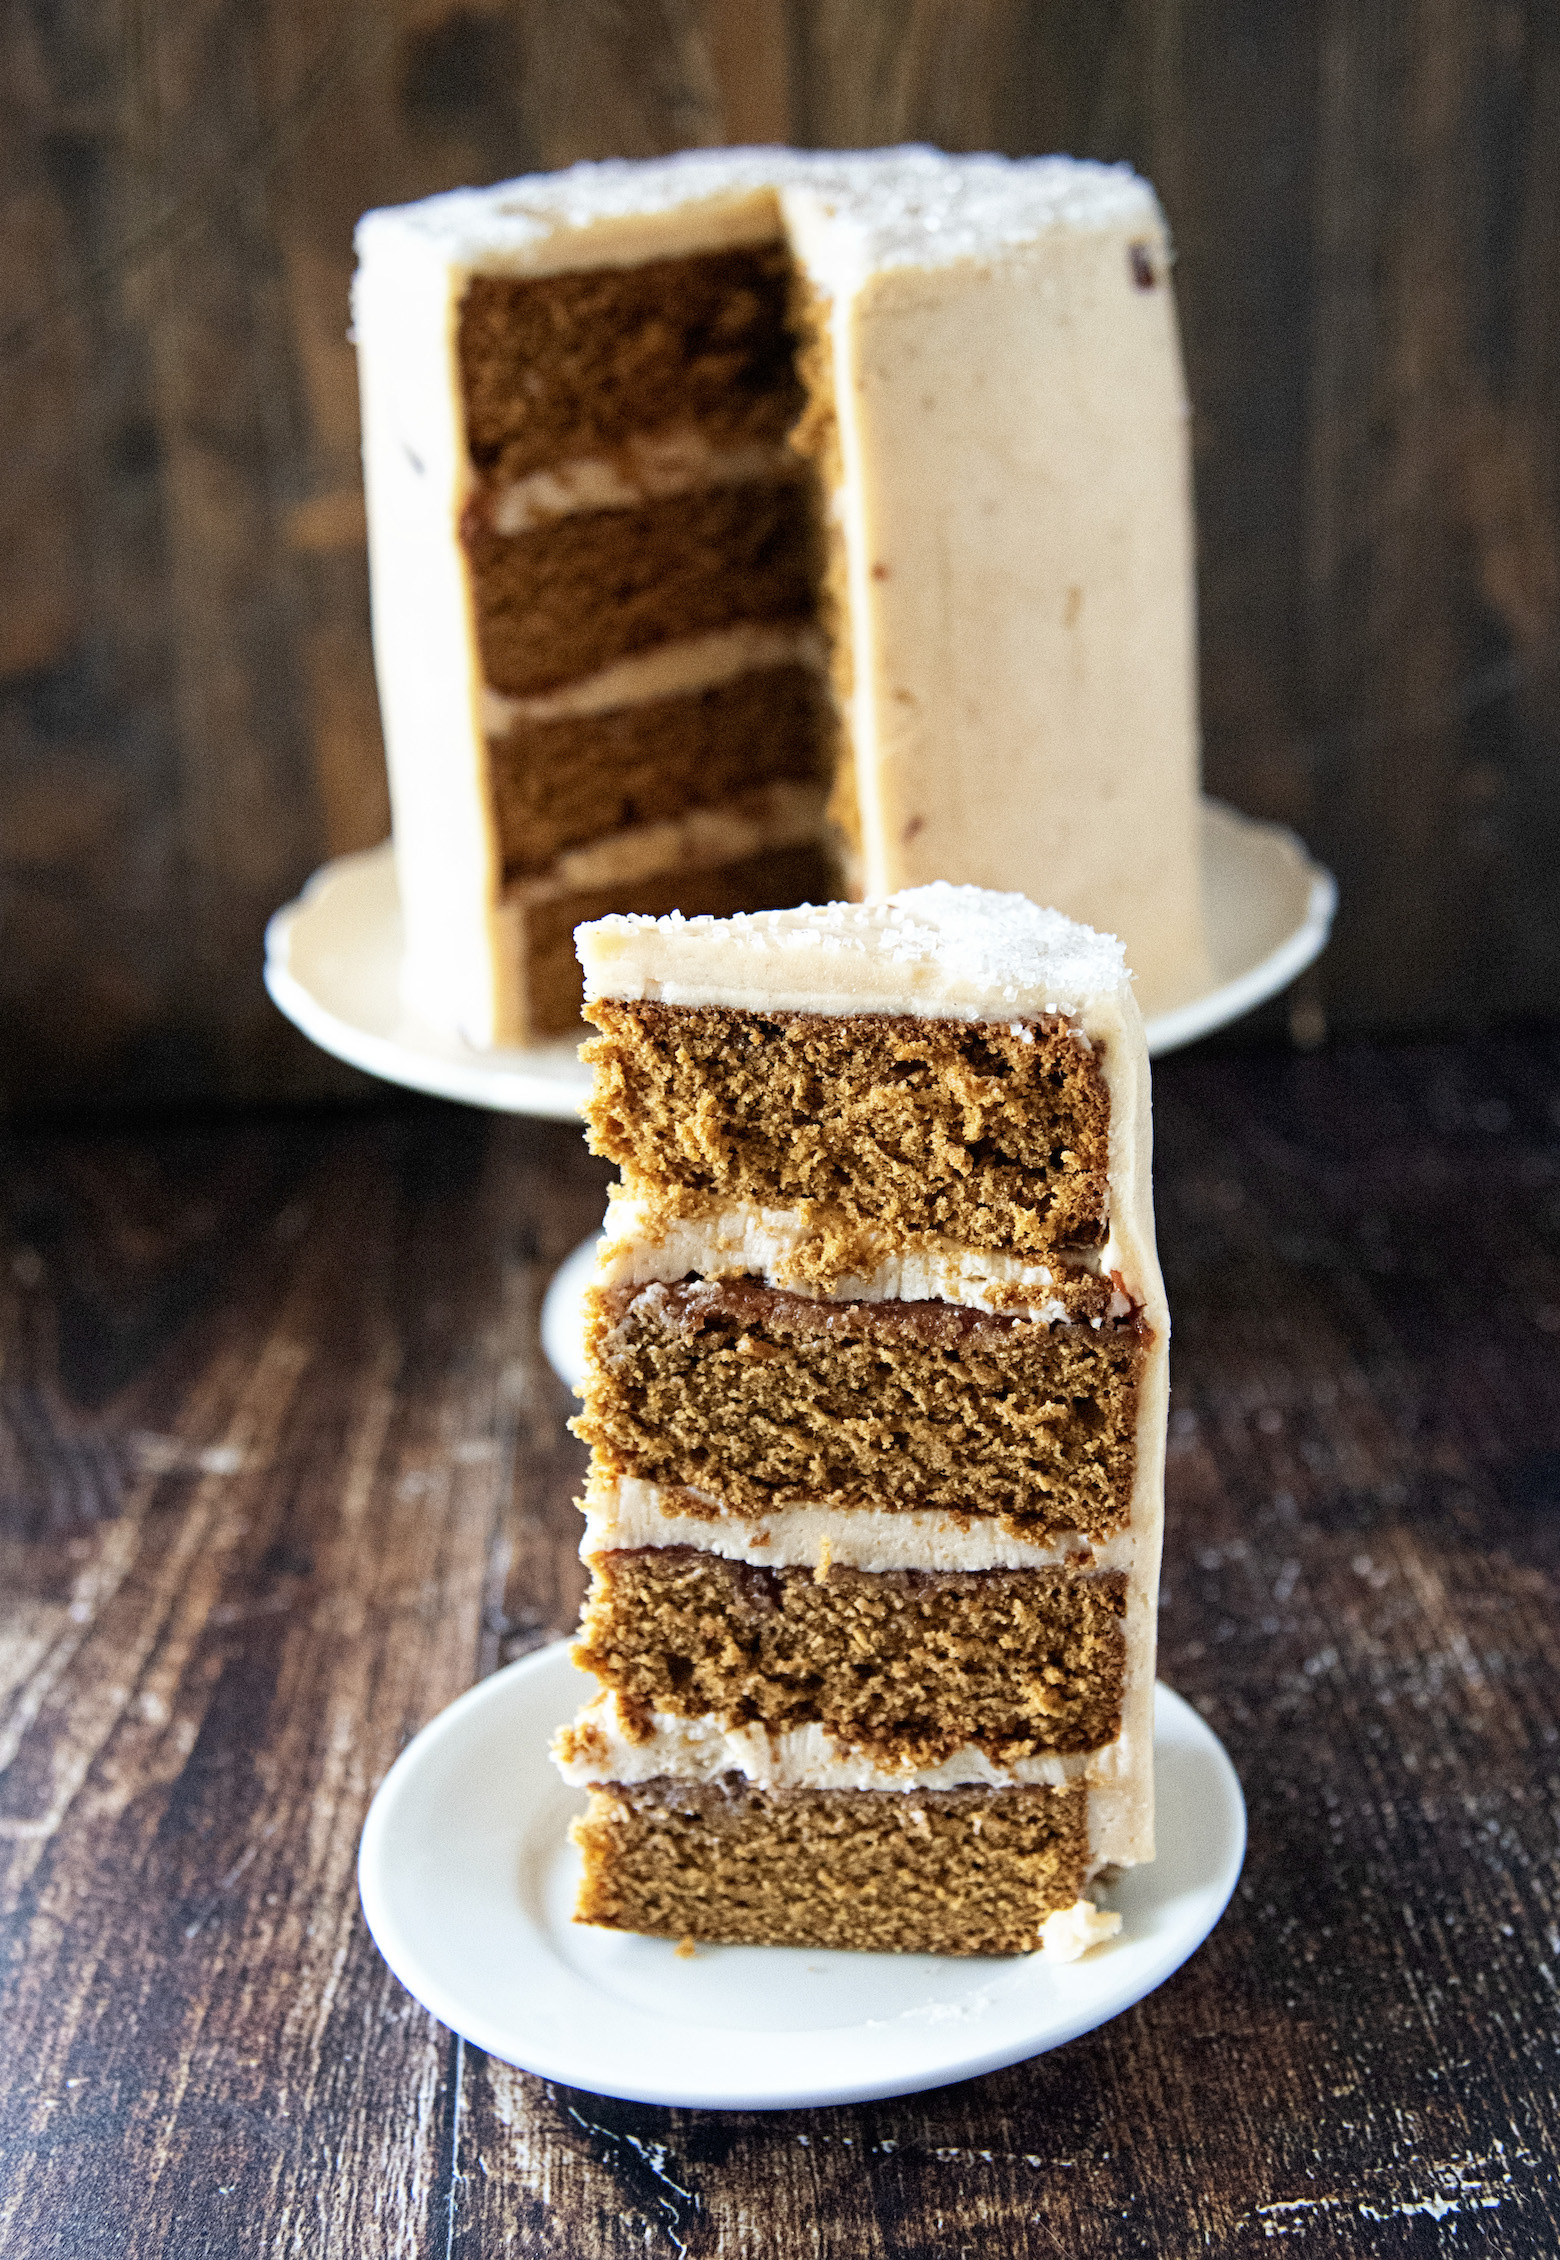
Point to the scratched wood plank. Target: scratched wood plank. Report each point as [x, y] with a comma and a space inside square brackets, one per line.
[1369, 230]
[264, 1392]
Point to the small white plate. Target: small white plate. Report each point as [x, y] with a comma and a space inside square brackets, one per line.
[467, 1880]
[333, 965]
[563, 1312]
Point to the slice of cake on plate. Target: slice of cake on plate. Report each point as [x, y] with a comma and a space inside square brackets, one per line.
[876, 1392]
[751, 526]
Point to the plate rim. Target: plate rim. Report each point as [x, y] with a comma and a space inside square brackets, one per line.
[1231, 1000]
[506, 1082]
[526, 1081]
[952, 2063]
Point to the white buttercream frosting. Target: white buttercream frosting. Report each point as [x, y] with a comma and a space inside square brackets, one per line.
[943, 952]
[804, 1757]
[745, 1240]
[624, 1511]
[774, 816]
[884, 208]
[1071, 1931]
[667, 670]
[651, 467]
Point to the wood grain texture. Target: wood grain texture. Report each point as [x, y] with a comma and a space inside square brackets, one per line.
[1369, 228]
[282, 1471]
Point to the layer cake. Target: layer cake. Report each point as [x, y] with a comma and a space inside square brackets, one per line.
[875, 1393]
[751, 526]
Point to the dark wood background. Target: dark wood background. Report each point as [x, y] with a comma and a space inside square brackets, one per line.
[1367, 204]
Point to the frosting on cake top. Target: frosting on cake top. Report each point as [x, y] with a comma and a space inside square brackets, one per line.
[953, 953]
[858, 210]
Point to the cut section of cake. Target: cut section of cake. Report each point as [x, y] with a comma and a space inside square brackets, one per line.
[876, 1387]
[751, 526]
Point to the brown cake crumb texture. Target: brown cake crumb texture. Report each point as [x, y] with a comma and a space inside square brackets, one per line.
[554, 982]
[953, 1871]
[906, 1666]
[761, 1397]
[557, 368]
[565, 599]
[996, 1138]
[554, 367]
[561, 783]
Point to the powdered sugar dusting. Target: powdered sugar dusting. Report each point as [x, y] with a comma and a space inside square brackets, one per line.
[940, 950]
[919, 208]
[871, 208]
[1004, 939]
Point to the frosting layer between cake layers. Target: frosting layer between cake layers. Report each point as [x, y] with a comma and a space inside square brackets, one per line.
[869, 1533]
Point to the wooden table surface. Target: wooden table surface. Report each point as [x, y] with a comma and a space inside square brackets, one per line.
[283, 1472]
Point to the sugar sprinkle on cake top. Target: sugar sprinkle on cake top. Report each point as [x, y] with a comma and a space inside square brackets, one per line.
[913, 206]
[941, 950]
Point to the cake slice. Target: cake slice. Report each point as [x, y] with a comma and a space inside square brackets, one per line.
[876, 1390]
[753, 525]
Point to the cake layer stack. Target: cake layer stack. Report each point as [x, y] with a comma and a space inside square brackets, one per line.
[875, 1394]
[643, 547]
[754, 525]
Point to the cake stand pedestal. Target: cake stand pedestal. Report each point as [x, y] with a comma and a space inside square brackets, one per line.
[333, 965]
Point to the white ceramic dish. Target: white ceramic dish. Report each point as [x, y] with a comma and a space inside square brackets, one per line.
[467, 1880]
[563, 1313]
[333, 964]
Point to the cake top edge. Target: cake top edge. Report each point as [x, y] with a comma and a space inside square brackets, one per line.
[937, 951]
[892, 207]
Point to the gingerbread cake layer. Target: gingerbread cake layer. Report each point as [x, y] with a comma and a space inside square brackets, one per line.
[962, 1871]
[560, 366]
[562, 782]
[994, 1134]
[760, 1397]
[546, 925]
[569, 597]
[905, 1666]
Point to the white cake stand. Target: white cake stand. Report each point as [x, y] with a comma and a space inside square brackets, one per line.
[333, 965]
